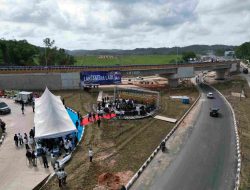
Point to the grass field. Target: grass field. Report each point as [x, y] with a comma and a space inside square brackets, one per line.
[126, 60]
[241, 108]
[119, 145]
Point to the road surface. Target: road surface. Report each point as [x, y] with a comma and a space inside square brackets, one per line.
[15, 172]
[206, 161]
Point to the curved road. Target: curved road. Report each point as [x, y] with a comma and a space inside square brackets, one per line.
[208, 159]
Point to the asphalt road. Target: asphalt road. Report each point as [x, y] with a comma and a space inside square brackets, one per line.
[15, 172]
[208, 159]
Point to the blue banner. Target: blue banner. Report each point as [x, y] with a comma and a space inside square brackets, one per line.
[100, 77]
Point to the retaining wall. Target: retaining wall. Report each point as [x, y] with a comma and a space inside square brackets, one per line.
[38, 81]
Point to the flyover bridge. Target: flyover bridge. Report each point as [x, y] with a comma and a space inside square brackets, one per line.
[122, 68]
[58, 77]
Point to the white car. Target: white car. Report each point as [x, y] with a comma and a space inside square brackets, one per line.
[210, 95]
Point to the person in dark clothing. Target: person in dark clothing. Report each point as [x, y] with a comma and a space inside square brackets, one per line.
[77, 124]
[22, 108]
[163, 146]
[98, 122]
[2, 124]
[78, 115]
[33, 106]
[94, 116]
[29, 156]
[45, 161]
[89, 116]
[16, 140]
[33, 158]
[63, 101]
[32, 134]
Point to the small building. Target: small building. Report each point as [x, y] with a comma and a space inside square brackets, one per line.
[229, 54]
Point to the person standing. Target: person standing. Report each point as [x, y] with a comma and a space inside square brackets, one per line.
[45, 161]
[59, 175]
[26, 143]
[20, 139]
[78, 115]
[33, 106]
[66, 146]
[16, 140]
[90, 154]
[53, 161]
[77, 124]
[33, 158]
[64, 176]
[163, 146]
[98, 122]
[22, 108]
[2, 124]
[31, 143]
[89, 116]
[32, 133]
[29, 156]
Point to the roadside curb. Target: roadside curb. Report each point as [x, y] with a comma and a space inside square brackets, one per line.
[154, 153]
[238, 152]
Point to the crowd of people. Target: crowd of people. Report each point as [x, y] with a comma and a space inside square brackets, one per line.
[123, 107]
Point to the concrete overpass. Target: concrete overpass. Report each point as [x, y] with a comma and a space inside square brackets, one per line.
[68, 77]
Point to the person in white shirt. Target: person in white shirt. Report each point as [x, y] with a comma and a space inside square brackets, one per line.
[66, 146]
[90, 154]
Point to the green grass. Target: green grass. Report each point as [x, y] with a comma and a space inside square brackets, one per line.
[126, 60]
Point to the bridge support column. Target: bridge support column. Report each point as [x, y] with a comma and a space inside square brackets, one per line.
[173, 82]
[220, 74]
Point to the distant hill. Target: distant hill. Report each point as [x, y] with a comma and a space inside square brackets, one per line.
[198, 49]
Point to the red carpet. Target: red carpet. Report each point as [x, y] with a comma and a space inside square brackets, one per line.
[86, 122]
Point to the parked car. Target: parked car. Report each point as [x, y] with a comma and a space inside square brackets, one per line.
[26, 97]
[245, 70]
[214, 112]
[210, 95]
[4, 108]
[139, 78]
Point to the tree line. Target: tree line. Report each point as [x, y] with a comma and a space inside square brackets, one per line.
[243, 51]
[21, 53]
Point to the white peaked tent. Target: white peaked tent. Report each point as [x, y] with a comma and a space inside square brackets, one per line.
[51, 118]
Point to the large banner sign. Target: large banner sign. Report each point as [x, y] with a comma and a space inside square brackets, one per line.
[100, 77]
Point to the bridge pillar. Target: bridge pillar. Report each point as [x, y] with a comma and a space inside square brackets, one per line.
[220, 74]
[173, 82]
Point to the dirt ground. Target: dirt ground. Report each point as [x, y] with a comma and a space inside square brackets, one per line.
[241, 107]
[120, 146]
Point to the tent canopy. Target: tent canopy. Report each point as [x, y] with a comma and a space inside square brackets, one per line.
[51, 118]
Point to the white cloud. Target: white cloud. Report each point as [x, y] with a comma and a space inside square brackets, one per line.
[126, 24]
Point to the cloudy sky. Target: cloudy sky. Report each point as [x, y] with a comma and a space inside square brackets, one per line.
[126, 24]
